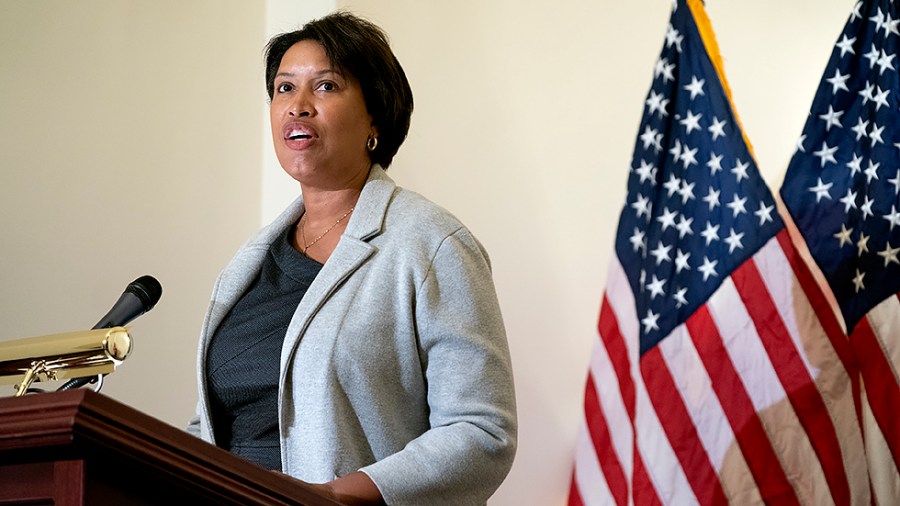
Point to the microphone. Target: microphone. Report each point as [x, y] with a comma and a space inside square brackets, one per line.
[139, 297]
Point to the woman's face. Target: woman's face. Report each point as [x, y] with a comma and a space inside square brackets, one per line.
[320, 124]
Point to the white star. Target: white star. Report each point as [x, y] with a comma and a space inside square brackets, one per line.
[800, 143]
[821, 190]
[649, 321]
[684, 226]
[826, 154]
[696, 87]
[708, 268]
[866, 208]
[648, 136]
[681, 261]
[737, 205]
[712, 198]
[680, 298]
[647, 172]
[711, 233]
[871, 172]
[875, 134]
[686, 191]
[734, 241]
[667, 219]
[846, 45]
[688, 156]
[673, 184]
[884, 62]
[866, 93]
[714, 163]
[878, 19]
[858, 281]
[892, 27]
[860, 128]
[667, 71]
[880, 97]
[849, 200]
[673, 37]
[832, 118]
[896, 182]
[872, 56]
[889, 254]
[717, 128]
[843, 236]
[839, 81]
[855, 14]
[764, 213]
[893, 217]
[643, 206]
[658, 103]
[692, 122]
[855, 165]
[862, 245]
[661, 253]
[740, 170]
[638, 240]
[676, 150]
[656, 287]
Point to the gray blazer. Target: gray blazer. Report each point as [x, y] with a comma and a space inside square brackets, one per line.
[395, 362]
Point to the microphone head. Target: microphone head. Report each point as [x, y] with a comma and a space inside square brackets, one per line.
[147, 289]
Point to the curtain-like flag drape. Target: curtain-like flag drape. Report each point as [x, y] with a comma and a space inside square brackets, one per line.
[842, 189]
[717, 374]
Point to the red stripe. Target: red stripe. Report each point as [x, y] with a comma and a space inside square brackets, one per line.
[643, 490]
[614, 342]
[801, 390]
[881, 385]
[680, 430]
[603, 445]
[755, 445]
[574, 494]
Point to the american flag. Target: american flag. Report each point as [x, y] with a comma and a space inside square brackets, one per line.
[842, 190]
[711, 380]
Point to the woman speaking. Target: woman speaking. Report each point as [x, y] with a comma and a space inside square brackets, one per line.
[356, 342]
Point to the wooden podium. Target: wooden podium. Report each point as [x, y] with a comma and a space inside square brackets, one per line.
[82, 448]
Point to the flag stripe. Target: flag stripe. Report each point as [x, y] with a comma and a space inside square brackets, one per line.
[793, 373]
[747, 427]
[593, 488]
[680, 429]
[574, 496]
[880, 384]
[599, 432]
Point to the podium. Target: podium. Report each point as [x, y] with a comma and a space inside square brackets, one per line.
[79, 447]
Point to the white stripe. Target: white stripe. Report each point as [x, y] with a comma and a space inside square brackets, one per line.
[882, 469]
[821, 360]
[885, 321]
[591, 483]
[613, 407]
[656, 451]
[768, 396]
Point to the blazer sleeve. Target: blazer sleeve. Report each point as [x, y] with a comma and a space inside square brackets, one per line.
[469, 447]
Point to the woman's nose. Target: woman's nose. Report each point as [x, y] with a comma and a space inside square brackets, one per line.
[301, 106]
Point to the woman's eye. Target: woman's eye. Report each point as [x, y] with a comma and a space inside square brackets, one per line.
[327, 86]
[284, 87]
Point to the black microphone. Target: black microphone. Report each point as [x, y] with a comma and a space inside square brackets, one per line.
[139, 297]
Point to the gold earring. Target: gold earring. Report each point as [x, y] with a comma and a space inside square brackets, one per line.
[372, 143]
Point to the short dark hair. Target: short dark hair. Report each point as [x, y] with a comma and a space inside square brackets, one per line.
[361, 49]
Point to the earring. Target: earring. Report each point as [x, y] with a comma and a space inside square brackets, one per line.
[372, 143]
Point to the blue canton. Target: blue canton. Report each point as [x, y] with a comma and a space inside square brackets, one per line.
[697, 207]
[842, 185]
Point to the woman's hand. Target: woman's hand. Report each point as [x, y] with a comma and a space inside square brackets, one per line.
[354, 489]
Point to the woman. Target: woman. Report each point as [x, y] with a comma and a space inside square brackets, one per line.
[357, 342]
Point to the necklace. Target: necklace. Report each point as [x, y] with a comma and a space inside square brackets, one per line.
[307, 245]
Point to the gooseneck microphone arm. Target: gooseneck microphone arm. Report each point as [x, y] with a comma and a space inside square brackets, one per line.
[139, 297]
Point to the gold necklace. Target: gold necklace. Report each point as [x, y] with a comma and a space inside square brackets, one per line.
[307, 245]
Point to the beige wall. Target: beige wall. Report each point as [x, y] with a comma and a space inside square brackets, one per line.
[123, 152]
